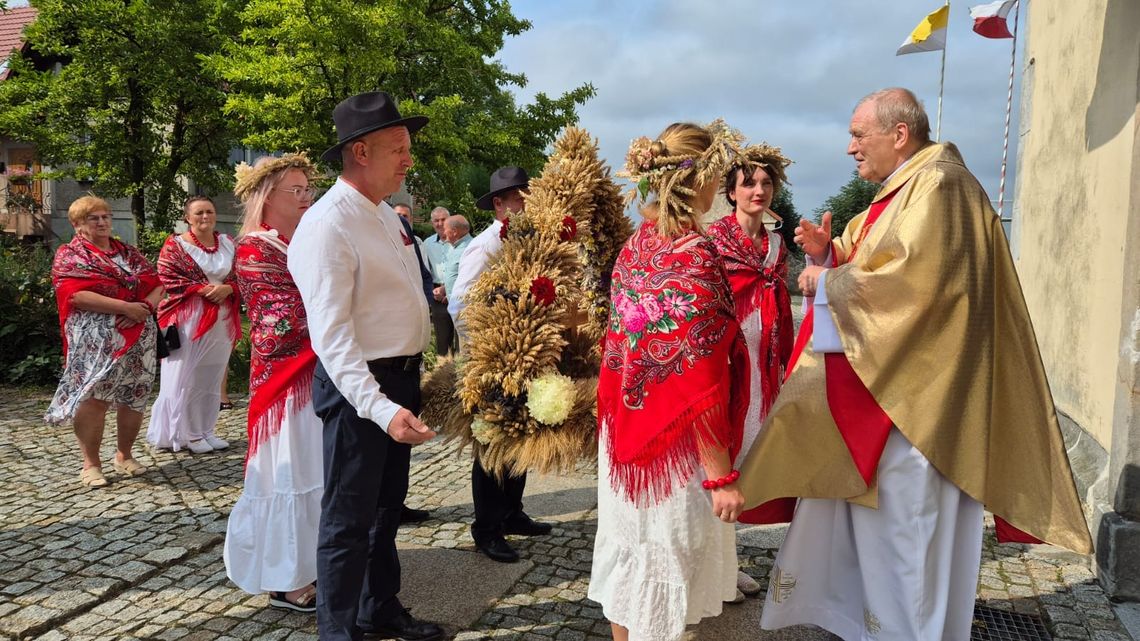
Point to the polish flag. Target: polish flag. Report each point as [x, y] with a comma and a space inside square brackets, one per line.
[990, 18]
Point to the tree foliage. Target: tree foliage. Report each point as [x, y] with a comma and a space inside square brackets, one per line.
[294, 60]
[115, 92]
[853, 198]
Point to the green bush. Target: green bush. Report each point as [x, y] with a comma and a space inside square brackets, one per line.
[238, 380]
[31, 352]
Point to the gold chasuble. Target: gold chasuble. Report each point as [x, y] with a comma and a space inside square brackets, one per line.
[932, 319]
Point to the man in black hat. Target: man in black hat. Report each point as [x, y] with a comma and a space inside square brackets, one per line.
[356, 268]
[498, 504]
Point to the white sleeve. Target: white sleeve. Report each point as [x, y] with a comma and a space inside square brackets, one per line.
[322, 265]
[825, 336]
[471, 264]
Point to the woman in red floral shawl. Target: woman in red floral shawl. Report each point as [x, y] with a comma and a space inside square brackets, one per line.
[271, 536]
[755, 259]
[106, 292]
[671, 401]
[196, 268]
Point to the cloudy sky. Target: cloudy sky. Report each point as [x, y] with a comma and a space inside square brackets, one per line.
[785, 71]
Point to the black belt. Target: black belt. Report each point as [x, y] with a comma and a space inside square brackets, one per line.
[405, 363]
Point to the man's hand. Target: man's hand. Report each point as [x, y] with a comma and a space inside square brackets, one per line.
[728, 503]
[440, 293]
[809, 279]
[815, 239]
[406, 428]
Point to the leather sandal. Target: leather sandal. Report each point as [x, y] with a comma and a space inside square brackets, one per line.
[307, 602]
[129, 467]
[92, 477]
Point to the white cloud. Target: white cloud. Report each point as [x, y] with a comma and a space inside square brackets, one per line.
[786, 72]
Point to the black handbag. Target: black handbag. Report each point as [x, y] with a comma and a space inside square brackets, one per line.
[167, 341]
[173, 342]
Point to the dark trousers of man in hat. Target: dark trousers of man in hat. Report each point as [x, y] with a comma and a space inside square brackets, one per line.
[361, 281]
[498, 502]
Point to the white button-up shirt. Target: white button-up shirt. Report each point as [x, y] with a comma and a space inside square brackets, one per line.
[362, 291]
[471, 265]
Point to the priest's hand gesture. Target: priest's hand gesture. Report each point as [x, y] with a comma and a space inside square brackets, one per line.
[815, 239]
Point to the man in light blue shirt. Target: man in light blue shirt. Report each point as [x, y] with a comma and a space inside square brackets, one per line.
[457, 232]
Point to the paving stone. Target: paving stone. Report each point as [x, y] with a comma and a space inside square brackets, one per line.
[143, 559]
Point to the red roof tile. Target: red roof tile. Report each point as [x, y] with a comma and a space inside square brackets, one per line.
[12, 23]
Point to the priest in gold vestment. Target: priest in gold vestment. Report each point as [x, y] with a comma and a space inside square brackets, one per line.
[916, 398]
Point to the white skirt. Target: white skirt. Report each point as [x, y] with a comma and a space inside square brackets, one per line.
[190, 387]
[906, 571]
[271, 536]
[660, 568]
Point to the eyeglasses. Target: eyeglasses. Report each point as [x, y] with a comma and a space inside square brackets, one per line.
[92, 218]
[298, 192]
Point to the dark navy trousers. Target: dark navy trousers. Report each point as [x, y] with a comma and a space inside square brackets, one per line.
[366, 480]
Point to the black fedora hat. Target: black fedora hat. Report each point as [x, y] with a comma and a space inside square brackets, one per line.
[504, 179]
[364, 113]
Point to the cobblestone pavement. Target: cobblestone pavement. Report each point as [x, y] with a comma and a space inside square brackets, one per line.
[141, 559]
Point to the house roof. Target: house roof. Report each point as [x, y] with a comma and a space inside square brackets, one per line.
[12, 23]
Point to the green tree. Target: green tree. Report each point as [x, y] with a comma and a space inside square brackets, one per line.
[115, 91]
[853, 199]
[296, 59]
[782, 204]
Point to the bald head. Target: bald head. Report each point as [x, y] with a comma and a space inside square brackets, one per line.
[456, 227]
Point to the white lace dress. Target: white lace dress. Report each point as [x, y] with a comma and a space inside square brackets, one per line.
[660, 568]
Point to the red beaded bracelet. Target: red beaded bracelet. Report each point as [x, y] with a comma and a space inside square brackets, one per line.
[727, 479]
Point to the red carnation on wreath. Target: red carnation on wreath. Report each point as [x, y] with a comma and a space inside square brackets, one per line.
[542, 288]
[503, 229]
[569, 229]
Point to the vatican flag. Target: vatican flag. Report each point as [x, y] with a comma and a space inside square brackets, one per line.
[929, 35]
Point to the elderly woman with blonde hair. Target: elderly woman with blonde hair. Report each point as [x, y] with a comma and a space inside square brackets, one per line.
[672, 394]
[107, 293]
[271, 537]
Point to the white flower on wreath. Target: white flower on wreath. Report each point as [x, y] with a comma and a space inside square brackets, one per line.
[484, 431]
[550, 397]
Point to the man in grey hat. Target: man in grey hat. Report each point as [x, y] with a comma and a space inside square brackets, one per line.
[356, 268]
[498, 504]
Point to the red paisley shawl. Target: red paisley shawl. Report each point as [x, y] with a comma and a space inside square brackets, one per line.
[674, 374]
[760, 288]
[282, 358]
[183, 279]
[80, 266]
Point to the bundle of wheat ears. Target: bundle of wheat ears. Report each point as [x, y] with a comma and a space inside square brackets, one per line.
[523, 392]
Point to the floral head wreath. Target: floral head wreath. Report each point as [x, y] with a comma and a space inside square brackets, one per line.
[668, 175]
[764, 155]
[249, 178]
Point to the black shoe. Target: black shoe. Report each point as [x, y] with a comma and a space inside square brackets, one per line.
[411, 515]
[524, 525]
[405, 627]
[497, 549]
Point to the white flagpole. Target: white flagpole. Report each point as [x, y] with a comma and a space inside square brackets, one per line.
[942, 78]
[1008, 111]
